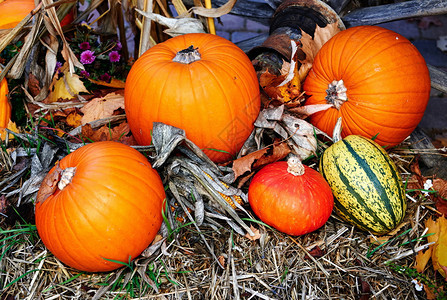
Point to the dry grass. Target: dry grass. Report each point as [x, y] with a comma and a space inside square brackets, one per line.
[337, 261]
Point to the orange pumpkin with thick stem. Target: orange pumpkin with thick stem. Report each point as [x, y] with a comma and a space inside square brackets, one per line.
[14, 11]
[291, 197]
[5, 106]
[199, 82]
[100, 204]
[377, 80]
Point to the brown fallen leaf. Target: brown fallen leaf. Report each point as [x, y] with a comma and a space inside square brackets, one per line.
[260, 158]
[73, 119]
[440, 185]
[33, 85]
[315, 252]
[221, 260]
[114, 83]
[3, 205]
[311, 46]
[49, 184]
[100, 108]
[118, 133]
[256, 236]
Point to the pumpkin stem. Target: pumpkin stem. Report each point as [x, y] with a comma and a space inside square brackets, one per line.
[336, 93]
[66, 177]
[187, 56]
[294, 166]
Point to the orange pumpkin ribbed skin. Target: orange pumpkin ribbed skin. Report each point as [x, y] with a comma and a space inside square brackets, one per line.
[215, 99]
[110, 210]
[14, 11]
[5, 106]
[293, 204]
[387, 84]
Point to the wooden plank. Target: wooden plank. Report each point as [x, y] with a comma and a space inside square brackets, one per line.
[433, 163]
[257, 11]
[391, 12]
[438, 79]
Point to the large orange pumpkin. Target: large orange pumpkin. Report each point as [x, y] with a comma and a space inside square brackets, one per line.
[5, 106]
[377, 80]
[199, 82]
[14, 11]
[101, 202]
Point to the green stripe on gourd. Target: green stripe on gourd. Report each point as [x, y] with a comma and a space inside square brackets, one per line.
[366, 184]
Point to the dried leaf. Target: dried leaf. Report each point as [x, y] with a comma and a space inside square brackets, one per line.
[103, 107]
[271, 84]
[3, 205]
[49, 185]
[439, 252]
[307, 110]
[106, 133]
[260, 158]
[33, 85]
[214, 12]
[12, 127]
[65, 86]
[221, 259]
[315, 252]
[422, 259]
[176, 26]
[440, 185]
[114, 83]
[311, 46]
[256, 236]
[74, 119]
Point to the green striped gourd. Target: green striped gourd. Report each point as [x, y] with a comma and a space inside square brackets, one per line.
[367, 187]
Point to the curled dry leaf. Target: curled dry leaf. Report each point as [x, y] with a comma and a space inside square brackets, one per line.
[100, 108]
[118, 133]
[65, 86]
[74, 119]
[311, 46]
[214, 12]
[260, 158]
[49, 184]
[176, 26]
[256, 236]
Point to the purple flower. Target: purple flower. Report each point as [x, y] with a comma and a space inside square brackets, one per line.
[105, 77]
[114, 56]
[84, 73]
[84, 46]
[87, 57]
[58, 66]
[118, 46]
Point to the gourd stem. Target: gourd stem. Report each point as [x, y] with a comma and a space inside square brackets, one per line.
[294, 166]
[66, 177]
[336, 93]
[336, 133]
[187, 56]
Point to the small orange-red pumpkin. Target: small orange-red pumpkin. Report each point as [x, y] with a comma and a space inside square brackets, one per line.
[291, 197]
[199, 82]
[109, 209]
[377, 80]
